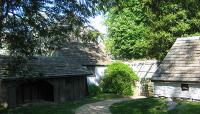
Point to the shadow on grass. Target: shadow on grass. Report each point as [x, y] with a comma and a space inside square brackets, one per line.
[68, 107]
[185, 107]
[140, 106]
[154, 106]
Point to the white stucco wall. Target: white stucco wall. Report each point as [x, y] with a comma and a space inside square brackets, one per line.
[99, 73]
[173, 89]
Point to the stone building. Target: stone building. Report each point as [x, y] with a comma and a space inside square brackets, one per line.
[179, 73]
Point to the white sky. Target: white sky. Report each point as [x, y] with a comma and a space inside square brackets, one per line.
[98, 23]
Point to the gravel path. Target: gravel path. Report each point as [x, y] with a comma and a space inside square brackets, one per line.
[101, 107]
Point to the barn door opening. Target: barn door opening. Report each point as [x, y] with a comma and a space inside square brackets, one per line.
[35, 91]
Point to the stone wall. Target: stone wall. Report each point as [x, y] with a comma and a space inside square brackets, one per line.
[173, 89]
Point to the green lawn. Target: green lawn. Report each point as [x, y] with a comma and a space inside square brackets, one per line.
[154, 106]
[140, 106]
[49, 108]
[185, 107]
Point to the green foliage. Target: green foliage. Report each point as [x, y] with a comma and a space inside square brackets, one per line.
[36, 27]
[148, 28]
[94, 90]
[119, 79]
[127, 35]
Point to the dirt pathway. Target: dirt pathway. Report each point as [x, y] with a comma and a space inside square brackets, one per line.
[101, 107]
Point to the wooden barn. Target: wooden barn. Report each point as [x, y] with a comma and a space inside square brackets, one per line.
[179, 73]
[49, 79]
[61, 76]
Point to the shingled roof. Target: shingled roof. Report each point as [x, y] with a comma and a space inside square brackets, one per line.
[41, 66]
[68, 61]
[182, 63]
[83, 53]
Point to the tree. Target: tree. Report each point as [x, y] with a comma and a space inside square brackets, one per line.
[32, 27]
[127, 32]
[148, 28]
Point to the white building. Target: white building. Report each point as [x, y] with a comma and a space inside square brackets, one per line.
[179, 73]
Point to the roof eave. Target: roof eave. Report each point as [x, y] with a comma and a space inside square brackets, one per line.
[46, 76]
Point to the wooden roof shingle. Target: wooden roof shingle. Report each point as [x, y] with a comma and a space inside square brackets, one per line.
[68, 61]
[182, 63]
[45, 67]
[83, 53]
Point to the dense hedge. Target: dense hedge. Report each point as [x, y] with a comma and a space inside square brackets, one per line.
[119, 79]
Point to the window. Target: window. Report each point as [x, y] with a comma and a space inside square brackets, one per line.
[185, 87]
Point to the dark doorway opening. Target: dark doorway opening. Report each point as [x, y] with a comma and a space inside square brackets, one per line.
[35, 91]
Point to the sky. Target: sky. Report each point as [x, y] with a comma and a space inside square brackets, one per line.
[98, 23]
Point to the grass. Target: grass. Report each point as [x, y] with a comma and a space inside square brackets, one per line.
[50, 108]
[186, 107]
[154, 106]
[140, 106]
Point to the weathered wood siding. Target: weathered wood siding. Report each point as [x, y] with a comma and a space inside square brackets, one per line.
[67, 88]
[173, 89]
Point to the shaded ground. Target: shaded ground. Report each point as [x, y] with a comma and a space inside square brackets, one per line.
[51, 108]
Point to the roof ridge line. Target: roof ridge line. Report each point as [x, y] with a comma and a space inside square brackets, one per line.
[188, 38]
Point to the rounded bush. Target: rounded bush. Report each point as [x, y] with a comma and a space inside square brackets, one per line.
[119, 79]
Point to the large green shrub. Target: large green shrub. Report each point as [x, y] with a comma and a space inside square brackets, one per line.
[119, 79]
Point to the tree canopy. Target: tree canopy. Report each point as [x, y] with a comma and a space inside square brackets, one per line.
[148, 28]
[32, 27]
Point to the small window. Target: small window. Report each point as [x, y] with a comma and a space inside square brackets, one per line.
[185, 87]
